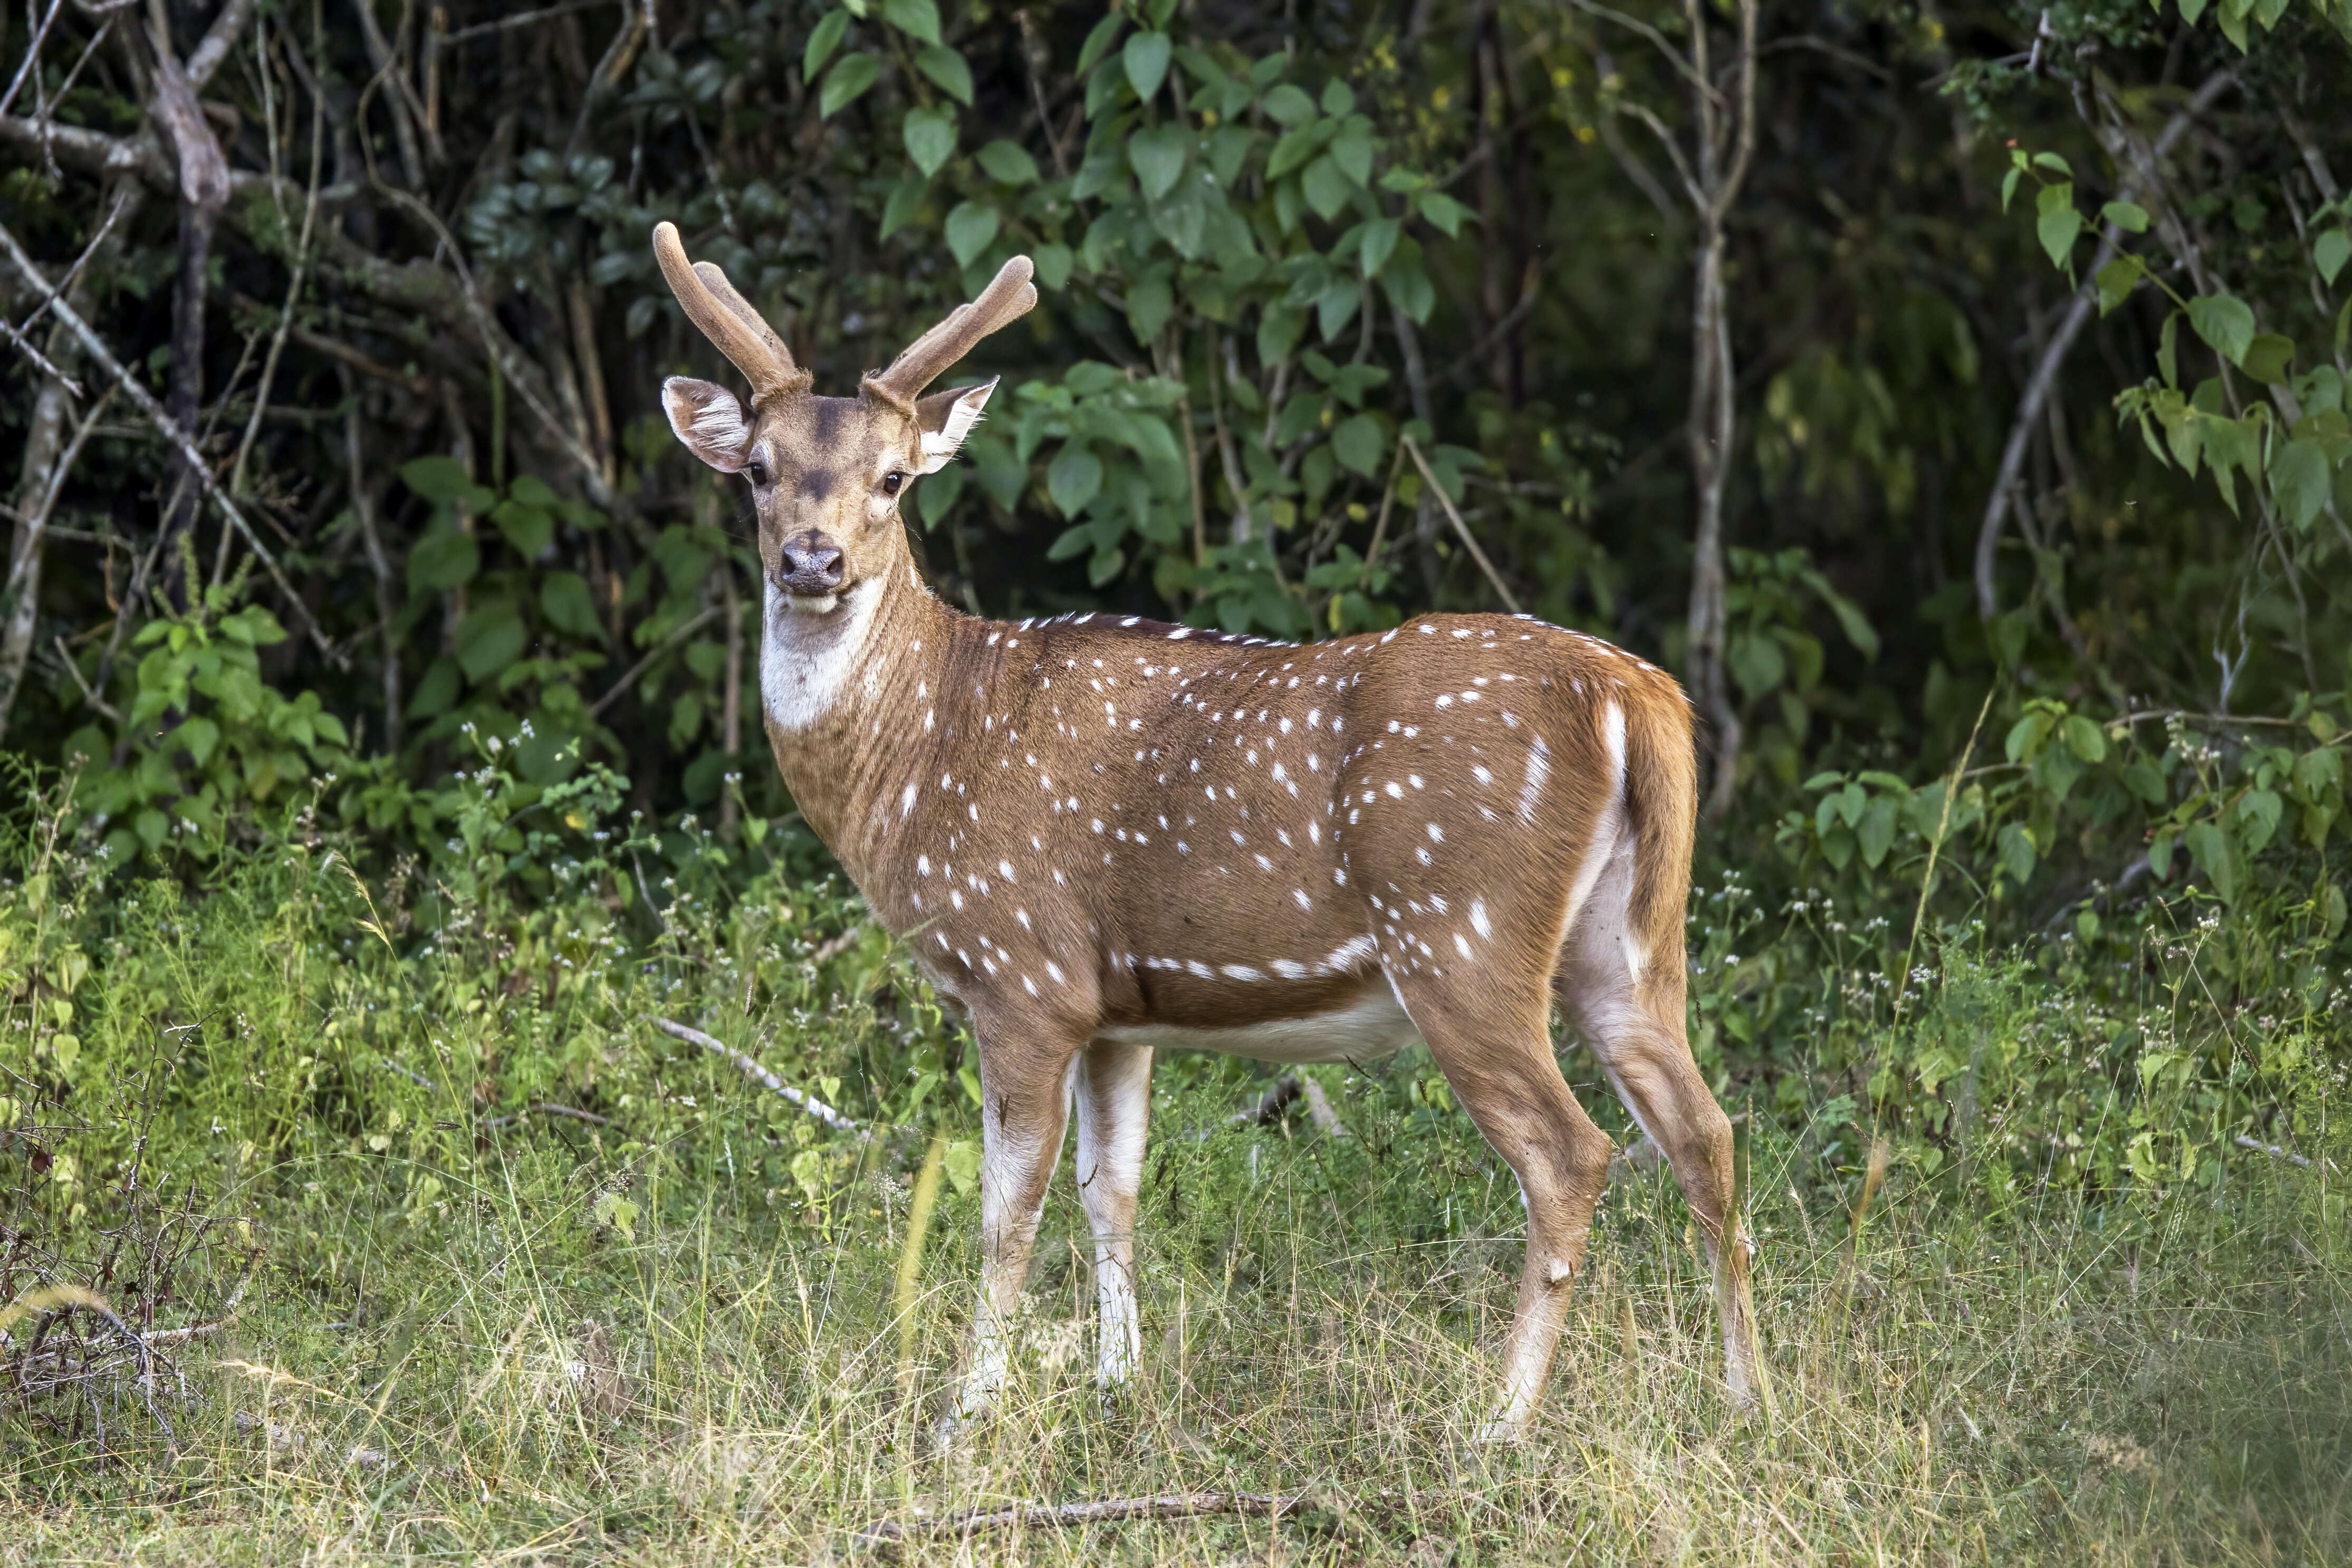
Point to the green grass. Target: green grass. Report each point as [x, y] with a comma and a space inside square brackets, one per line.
[2039, 1380]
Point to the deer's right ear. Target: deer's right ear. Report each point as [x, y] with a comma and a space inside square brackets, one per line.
[709, 420]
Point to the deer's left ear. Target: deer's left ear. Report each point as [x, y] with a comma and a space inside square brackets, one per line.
[945, 419]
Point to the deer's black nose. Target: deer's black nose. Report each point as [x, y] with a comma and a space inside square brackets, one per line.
[811, 564]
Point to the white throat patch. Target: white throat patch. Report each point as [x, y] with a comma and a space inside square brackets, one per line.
[807, 660]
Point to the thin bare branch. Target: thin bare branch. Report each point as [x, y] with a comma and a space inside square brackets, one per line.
[174, 436]
[1502, 590]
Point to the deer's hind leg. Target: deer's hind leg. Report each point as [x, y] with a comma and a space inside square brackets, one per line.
[1492, 1039]
[1114, 1100]
[1628, 1005]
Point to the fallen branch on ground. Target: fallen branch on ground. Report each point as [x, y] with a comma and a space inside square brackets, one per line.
[1175, 1505]
[2244, 1141]
[760, 1075]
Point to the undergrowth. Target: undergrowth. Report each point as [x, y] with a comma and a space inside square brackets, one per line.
[376, 1216]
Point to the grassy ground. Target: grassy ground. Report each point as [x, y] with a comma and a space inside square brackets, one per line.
[566, 1360]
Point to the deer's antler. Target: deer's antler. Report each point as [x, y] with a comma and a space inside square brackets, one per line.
[1007, 300]
[727, 318]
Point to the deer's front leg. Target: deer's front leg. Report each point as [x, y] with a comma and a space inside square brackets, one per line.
[1024, 1098]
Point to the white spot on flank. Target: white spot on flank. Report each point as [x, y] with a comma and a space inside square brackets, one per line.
[1460, 946]
[1054, 970]
[1478, 921]
[1539, 768]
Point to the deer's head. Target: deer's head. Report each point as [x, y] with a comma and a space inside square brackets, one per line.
[826, 473]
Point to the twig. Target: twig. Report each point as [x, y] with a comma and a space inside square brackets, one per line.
[1318, 1108]
[97, 704]
[1460, 527]
[95, 346]
[666, 646]
[834, 947]
[520, 19]
[759, 1074]
[41, 362]
[547, 1109]
[1175, 1505]
[2053, 355]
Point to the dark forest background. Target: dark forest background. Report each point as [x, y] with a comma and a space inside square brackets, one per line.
[1952, 394]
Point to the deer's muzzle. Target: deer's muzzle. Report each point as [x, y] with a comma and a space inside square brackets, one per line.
[811, 564]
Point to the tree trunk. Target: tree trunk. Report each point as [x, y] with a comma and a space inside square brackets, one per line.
[1710, 449]
[44, 446]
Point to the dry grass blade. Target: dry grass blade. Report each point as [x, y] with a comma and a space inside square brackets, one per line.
[1175, 1505]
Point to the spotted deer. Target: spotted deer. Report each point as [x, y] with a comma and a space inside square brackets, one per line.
[1101, 836]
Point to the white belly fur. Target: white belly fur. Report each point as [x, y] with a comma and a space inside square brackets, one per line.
[1372, 1026]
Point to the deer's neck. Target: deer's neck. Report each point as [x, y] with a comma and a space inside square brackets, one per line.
[851, 699]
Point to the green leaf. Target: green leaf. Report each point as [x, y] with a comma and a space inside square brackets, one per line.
[2085, 739]
[1410, 290]
[527, 529]
[2268, 357]
[1326, 187]
[1053, 263]
[1280, 327]
[2299, 479]
[1352, 150]
[444, 558]
[1358, 443]
[2225, 322]
[2167, 349]
[823, 39]
[1288, 105]
[2128, 217]
[2117, 280]
[1150, 303]
[970, 229]
[1380, 243]
[931, 138]
[1157, 155]
[1445, 214]
[1291, 149]
[1099, 41]
[1146, 60]
[947, 70]
[846, 82]
[2330, 252]
[565, 599]
[2008, 186]
[1008, 162]
[200, 735]
[490, 639]
[1875, 832]
[2058, 224]
[1074, 478]
[2054, 163]
[441, 480]
[918, 19]
[906, 200]
[2014, 847]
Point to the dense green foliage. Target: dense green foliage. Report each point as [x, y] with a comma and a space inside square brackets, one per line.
[369, 812]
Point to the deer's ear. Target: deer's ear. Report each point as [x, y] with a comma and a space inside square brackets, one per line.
[708, 419]
[945, 419]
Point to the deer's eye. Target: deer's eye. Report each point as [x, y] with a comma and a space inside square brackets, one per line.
[756, 471]
[892, 481]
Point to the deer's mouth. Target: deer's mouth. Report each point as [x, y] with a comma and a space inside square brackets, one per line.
[811, 601]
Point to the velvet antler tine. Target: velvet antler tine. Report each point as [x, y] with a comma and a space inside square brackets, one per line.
[723, 289]
[1008, 297]
[727, 319]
